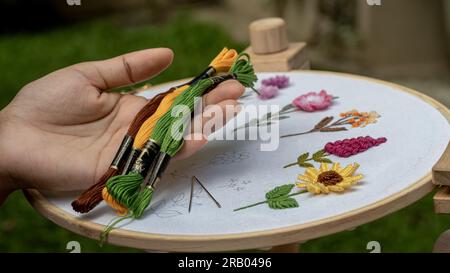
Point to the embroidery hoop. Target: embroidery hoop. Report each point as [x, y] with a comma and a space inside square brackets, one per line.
[254, 239]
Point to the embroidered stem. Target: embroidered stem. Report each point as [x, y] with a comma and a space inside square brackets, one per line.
[299, 134]
[290, 165]
[324, 126]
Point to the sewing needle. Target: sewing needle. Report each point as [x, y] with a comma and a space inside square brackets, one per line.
[210, 195]
[192, 193]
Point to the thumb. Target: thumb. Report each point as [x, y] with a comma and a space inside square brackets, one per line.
[126, 69]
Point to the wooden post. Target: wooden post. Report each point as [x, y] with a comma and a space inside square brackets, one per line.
[268, 36]
[270, 49]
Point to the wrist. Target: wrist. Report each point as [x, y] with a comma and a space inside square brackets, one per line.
[7, 184]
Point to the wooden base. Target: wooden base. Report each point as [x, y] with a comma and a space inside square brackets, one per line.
[292, 58]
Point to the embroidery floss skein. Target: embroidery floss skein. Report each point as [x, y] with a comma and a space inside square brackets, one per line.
[92, 196]
[221, 63]
[146, 150]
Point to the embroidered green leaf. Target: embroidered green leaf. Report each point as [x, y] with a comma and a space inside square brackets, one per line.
[306, 165]
[279, 191]
[318, 154]
[323, 160]
[283, 202]
[302, 158]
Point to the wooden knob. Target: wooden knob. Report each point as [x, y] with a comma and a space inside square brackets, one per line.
[268, 35]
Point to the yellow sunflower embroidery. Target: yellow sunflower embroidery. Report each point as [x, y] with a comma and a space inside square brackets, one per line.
[326, 180]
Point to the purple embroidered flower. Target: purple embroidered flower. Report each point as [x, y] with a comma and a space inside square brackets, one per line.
[267, 92]
[279, 81]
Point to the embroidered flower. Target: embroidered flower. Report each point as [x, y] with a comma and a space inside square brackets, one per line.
[267, 92]
[353, 146]
[360, 119]
[313, 101]
[326, 180]
[279, 81]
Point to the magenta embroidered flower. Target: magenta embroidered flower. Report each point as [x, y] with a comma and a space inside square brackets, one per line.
[267, 92]
[313, 101]
[352, 146]
[279, 81]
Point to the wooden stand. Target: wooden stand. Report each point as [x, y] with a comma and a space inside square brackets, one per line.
[246, 240]
[441, 177]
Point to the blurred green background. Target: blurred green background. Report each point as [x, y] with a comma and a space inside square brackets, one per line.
[196, 30]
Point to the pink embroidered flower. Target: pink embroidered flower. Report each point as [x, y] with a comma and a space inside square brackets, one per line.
[352, 146]
[279, 81]
[313, 101]
[267, 92]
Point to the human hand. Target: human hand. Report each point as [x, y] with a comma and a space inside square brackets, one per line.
[61, 131]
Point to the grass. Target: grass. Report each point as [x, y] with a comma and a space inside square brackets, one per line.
[27, 57]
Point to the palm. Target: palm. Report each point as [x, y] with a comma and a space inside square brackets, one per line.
[70, 131]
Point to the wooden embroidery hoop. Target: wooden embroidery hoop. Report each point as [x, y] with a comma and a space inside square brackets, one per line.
[249, 240]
